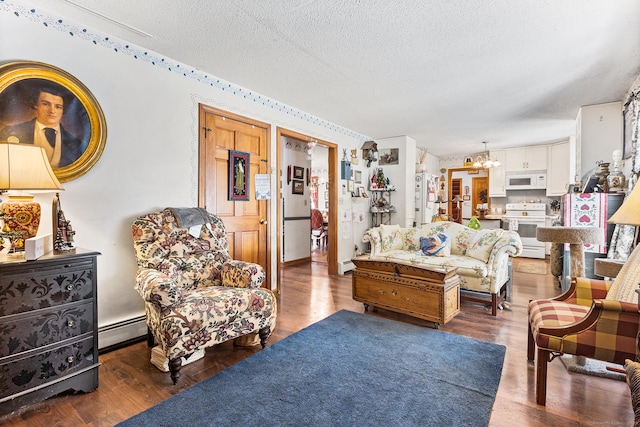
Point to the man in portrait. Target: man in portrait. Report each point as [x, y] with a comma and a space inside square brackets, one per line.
[45, 130]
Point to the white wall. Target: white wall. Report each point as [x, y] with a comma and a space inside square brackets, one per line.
[320, 169]
[601, 134]
[402, 176]
[354, 211]
[150, 158]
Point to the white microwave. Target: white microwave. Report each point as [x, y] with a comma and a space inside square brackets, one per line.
[527, 181]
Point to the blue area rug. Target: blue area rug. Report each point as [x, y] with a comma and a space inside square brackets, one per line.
[349, 369]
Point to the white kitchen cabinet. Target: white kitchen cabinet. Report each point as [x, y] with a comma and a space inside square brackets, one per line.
[497, 179]
[559, 170]
[527, 159]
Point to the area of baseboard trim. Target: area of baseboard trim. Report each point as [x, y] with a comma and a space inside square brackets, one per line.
[119, 332]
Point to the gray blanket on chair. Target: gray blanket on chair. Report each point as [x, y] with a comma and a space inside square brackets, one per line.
[188, 217]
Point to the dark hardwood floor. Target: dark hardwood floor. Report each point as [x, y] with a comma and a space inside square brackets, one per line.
[129, 384]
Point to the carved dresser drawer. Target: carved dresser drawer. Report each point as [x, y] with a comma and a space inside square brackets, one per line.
[48, 327]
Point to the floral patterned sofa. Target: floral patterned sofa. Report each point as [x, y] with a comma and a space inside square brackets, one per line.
[195, 295]
[482, 256]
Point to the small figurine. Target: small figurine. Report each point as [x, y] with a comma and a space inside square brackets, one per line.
[474, 223]
[64, 234]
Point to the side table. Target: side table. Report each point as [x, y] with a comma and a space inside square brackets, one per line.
[48, 327]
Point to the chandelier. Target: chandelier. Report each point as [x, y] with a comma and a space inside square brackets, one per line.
[484, 161]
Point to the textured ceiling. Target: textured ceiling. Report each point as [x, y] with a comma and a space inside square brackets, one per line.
[449, 74]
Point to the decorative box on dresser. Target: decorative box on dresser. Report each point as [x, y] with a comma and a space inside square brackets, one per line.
[48, 327]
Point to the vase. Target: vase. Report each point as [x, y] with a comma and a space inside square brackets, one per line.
[616, 181]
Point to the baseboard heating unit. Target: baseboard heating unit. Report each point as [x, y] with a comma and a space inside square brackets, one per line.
[345, 266]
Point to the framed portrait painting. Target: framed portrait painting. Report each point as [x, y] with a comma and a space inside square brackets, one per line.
[239, 175]
[44, 105]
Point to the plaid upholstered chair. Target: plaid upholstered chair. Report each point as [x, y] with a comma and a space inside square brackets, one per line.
[593, 318]
[195, 295]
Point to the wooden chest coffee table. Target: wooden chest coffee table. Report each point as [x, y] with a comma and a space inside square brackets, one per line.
[431, 294]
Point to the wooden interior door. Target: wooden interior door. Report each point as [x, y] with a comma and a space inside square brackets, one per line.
[246, 222]
[477, 186]
[456, 190]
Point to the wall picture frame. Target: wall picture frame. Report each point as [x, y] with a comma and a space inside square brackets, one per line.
[239, 175]
[388, 156]
[298, 172]
[350, 186]
[81, 128]
[297, 187]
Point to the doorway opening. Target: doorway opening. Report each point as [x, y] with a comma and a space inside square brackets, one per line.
[472, 188]
[295, 190]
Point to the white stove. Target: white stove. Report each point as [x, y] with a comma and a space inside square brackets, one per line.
[524, 218]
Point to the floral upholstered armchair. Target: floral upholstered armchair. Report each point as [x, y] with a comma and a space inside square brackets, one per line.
[195, 295]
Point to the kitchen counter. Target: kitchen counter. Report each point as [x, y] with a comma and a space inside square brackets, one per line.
[494, 216]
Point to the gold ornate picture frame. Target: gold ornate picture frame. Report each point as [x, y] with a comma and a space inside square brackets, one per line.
[82, 118]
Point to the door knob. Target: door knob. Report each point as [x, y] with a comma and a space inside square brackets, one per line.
[263, 221]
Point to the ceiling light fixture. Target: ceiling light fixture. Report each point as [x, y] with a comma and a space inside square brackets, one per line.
[310, 146]
[484, 161]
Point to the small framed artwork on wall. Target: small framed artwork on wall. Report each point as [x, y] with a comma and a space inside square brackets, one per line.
[238, 175]
[389, 156]
[298, 187]
[298, 172]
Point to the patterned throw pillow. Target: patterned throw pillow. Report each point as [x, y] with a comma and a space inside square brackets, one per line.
[390, 237]
[411, 239]
[435, 245]
[633, 379]
[483, 242]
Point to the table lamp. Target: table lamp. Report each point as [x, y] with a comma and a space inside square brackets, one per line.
[629, 212]
[23, 167]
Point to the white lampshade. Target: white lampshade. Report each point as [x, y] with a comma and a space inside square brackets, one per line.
[23, 167]
[26, 167]
[629, 212]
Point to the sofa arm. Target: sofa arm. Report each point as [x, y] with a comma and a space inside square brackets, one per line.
[372, 236]
[509, 242]
[158, 288]
[241, 274]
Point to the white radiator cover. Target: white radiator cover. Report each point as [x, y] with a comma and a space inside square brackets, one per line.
[345, 266]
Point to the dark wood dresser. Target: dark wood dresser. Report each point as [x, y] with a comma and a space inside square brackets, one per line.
[48, 327]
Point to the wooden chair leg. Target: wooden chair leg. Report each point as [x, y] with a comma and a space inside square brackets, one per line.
[541, 376]
[531, 345]
[150, 338]
[494, 304]
[264, 334]
[174, 368]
